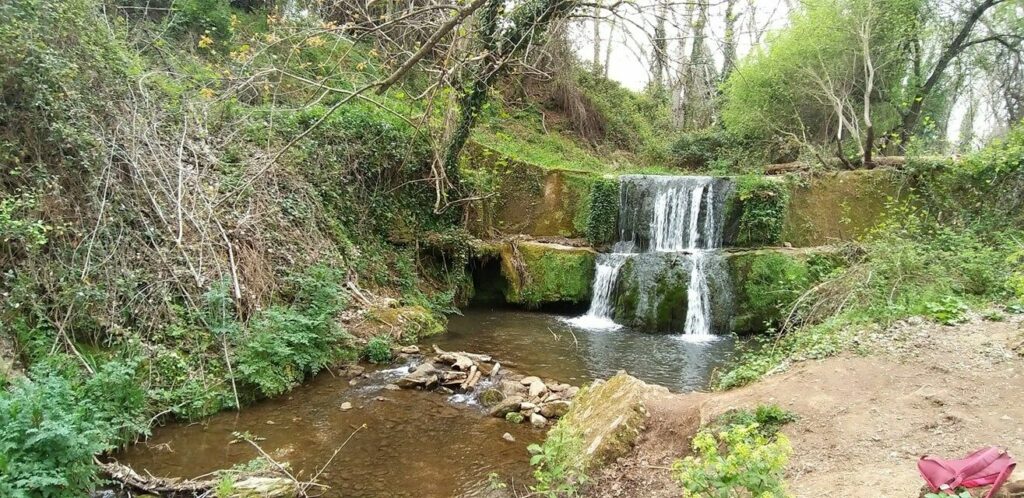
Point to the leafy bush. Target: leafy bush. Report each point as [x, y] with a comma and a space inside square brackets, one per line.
[285, 343]
[739, 461]
[762, 206]
[377, 350]
[202, 17]
[768, 418]
[557, 463]
[948, 310]
[699, 149]
[774, 282]
[52, 424]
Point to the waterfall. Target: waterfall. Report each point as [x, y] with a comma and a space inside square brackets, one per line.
[606, 274]
[678, 217]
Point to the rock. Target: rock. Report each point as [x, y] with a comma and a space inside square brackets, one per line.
[355, 370]
[410, 350]
[529, 380]
[506, 406]
[572, 392]
[508, 437]
[353, 382]
[346, 406]
[537, 388]
[555, 409]
[424, 376]
[491, 397]
[609, 417]
[392, 387]
[526, 405]
[511, 388]
[557, 387]
[538, 420]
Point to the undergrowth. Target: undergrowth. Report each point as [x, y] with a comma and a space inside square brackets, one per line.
[557, 463]
[742, 453]
[946, 251]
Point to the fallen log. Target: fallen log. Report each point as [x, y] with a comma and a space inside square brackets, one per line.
[244, 485]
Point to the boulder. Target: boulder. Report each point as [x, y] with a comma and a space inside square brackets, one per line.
[609, 416]
[410, 350]
[425, 376]
[537, 388]
[555, 409]
[537, 420]
[491, 397]
[506, 406]
[526, 405]
[529, 380]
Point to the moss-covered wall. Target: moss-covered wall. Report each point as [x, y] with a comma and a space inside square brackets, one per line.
[767, 281]
[833, 207]
[525, 199]
[532, 274]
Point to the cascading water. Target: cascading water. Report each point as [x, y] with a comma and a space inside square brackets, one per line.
[664, 220]
[606, 274]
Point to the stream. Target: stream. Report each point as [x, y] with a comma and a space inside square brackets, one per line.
[416, 443]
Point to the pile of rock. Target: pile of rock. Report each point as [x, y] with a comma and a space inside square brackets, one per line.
[529, 397]
[501, 391]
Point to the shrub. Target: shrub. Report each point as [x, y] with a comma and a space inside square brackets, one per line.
[377, 350]
[768, 418]
[948, 310]
[52, 424]
[736, 462]
[285, 343]
[557, 464]
[699, 149]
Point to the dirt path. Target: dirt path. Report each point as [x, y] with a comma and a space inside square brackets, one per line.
[864, 420]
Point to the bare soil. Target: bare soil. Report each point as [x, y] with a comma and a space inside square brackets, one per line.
[863, 420]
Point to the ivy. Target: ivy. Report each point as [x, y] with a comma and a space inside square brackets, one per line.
[602, 218]
[763, 205]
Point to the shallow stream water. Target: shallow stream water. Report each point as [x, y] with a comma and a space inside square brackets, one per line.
[423, 444]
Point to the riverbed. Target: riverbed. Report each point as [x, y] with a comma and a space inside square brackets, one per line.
[424, 444]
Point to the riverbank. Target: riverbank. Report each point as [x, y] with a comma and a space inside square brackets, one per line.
[864, 419]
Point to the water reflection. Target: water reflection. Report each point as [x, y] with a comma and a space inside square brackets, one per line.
[543, 344]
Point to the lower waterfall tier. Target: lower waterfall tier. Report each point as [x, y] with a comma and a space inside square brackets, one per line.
[651, 293]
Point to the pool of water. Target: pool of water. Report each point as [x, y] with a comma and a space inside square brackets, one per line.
[423, 444]
[546, 345]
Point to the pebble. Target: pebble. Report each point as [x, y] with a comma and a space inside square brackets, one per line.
[346, 406]
[508, 437]
[392, 387]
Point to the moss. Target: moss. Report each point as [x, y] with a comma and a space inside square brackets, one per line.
[608, 415]
[525, 199]
[514, 417]
[768, 281]
[410, 323]
[839, 206]
[539, 274]
[670, 312]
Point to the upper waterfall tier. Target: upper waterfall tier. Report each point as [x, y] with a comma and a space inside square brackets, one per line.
[671, 213]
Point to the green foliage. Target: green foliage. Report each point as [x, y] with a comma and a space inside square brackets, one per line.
[514, 417]
[739, 461]
[53, 423]
[603, 213]
[949, 310]
[18, 226]
[285, 343]
[202, 17]
[714, 148]
[772, 285]
[762, 205]
[769, 419]
[557, 464]
[377, 350]
[777, 94]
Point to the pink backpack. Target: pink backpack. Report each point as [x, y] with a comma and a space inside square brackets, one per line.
[983, 467]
